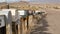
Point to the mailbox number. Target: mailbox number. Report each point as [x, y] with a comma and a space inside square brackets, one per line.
[0, 22]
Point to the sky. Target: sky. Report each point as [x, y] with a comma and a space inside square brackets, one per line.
[41, 1]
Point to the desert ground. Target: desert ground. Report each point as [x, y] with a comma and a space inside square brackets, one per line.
[48, 25]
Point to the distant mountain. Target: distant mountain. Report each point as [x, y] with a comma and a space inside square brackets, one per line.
[2, 0]
[36, 1]
[46, 1]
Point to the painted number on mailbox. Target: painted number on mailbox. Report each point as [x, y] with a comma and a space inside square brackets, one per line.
[2, 23]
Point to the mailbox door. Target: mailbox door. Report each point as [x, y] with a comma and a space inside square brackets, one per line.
[2, 25]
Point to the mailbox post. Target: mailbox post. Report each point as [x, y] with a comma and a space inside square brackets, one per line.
[6, 19]
[22, 26]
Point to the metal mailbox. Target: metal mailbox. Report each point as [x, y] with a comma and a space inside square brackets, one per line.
[6, 20]
[21, 14]
[2, 21]
[2, 24]
[13, 12]
[14, 19]
[40, 12]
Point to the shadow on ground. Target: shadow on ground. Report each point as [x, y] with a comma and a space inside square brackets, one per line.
[42, 28]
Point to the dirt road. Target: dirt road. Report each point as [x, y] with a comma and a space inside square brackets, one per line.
[48, 25]
[53, 19]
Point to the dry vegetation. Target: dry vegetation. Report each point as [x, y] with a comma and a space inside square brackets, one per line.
[48, 25]
[29, 6]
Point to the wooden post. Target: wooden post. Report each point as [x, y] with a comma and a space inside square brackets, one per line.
[8, 29]
[20, 26]
[25, 26]
[19, 31]
[30, 23]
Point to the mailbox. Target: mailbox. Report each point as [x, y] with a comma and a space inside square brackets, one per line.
[2, 21]
[40, 12]
[6, 22]
[21, 22]
[31, 12]
[23, 13]
[13, 12]
[2, 24]
[14, 19]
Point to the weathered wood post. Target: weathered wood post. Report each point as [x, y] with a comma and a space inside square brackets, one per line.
[22, 14]
[8, 21]
[30, 21]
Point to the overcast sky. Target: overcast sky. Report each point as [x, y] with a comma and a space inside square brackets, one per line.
[41, 1]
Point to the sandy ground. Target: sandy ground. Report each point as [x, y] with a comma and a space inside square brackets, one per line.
[48, 25]
[53, 19]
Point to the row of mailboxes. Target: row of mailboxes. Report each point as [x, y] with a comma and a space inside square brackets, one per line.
[11, 15]
[25, 14]
[20, 17]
